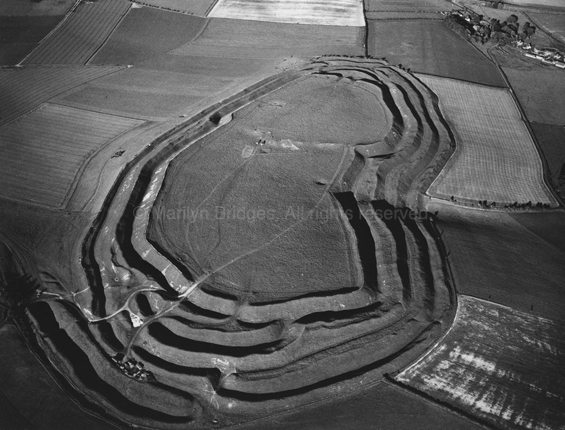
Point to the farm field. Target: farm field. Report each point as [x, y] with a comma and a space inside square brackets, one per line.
[264, 291]
[32, 148]
[552, 22]
[81, 34]
[193, 7]
[330, 12]
[28, 391]
[498, 364]
[29, 8]
[407, 5]
[549, 226]
[486, 164]
[539, 91]
[552, 3]
[429, 46]
[131, 43]
[388, 405]
[240, 39]
[23, 89]
[481, 242]
[551, 139]
[20, 34]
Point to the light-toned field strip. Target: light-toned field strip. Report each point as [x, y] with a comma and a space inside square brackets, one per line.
[318, 12]
[553, 3]
[496, 159]
[498, 364]
[408, 5]
[42, 153]
[193, 7]
[23, 89]
[234, 38]
[81, 34]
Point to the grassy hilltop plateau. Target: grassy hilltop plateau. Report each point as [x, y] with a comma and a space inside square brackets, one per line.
[268, 214]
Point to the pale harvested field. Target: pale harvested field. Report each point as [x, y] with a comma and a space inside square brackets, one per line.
[235, 38]
[329, 12]
[495, 159]
[552, 3]
[43, 152]
[497, 364]
[23, 89]
[407, 5]
[81, 34]
[193, 7]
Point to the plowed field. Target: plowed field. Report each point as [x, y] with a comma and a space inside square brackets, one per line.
[429, 46]
[81, 34]
[32, 149]
[23, 89]
[329, 12]
[235, 38]
[496, 158]
[498, 364]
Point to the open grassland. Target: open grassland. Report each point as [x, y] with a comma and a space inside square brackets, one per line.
[495, 158]
[132, 43]
[502, 366]
[329, 12]
[30, 8]
[540, 92]
[29, 391]
[193, 7]
[429, 46]
[34, 147]
[81, 34]
[23, 89]
[499, 256]
[235, 38]
[20, 34]
[407, 5]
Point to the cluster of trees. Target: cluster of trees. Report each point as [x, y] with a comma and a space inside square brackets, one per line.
[16, 291]
[481, 29]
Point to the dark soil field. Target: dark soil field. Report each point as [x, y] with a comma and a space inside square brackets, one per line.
[383, 407]
[131, 43]
[539, 90]
[20, 34]
[28, 392]
[481, 242]
[554, 23]
[430, 47]
[551, 139]
[29, 8]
